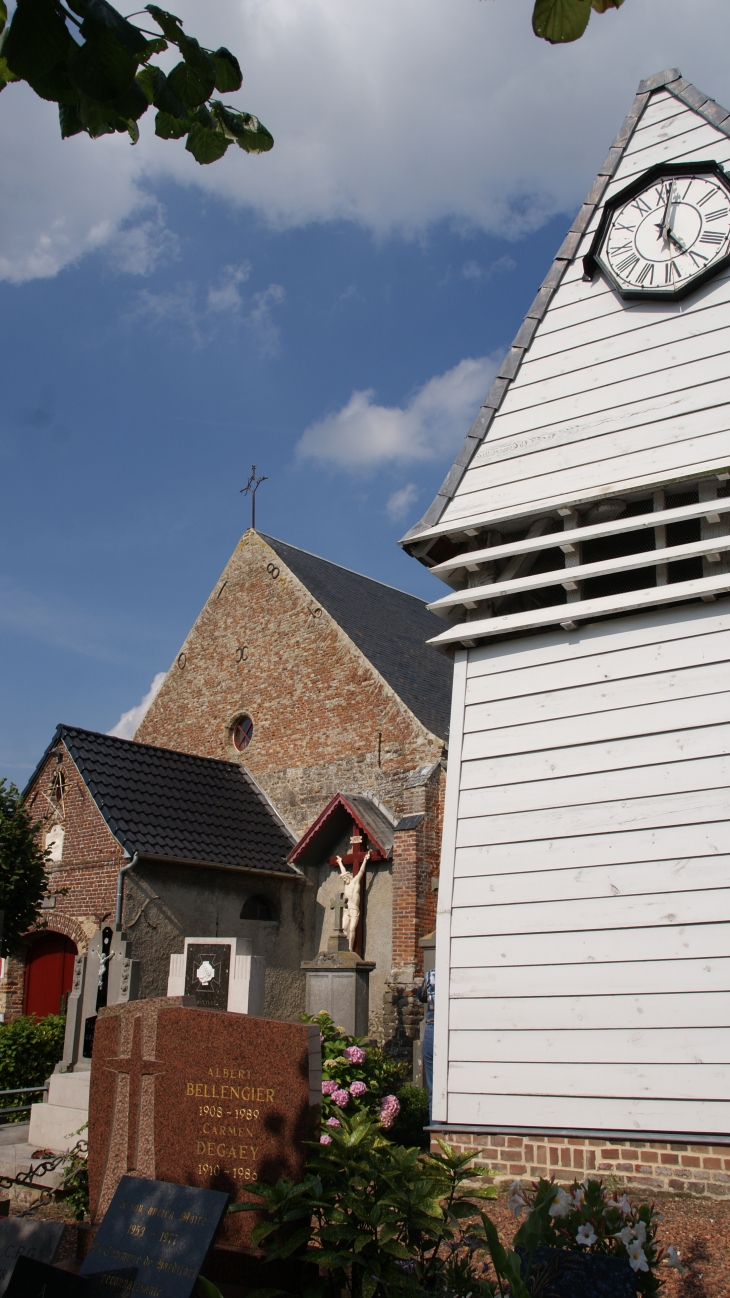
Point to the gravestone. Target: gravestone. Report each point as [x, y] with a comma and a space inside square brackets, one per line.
[201, 1098]
[158, 1233]
[20, 1237]
[32, 1279]
[559, 1273]
[221, 973]
[106, 976]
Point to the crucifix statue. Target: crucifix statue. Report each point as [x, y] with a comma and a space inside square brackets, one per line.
[352, 890]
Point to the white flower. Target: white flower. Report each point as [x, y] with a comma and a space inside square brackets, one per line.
[623, 1205]
[561, 1204]
[517, 1205]
[673, 1260]
[626, 1235]
[516, 1187]
[640, 1231]
[579, 1195]
[587, 1235]
[637, 1257]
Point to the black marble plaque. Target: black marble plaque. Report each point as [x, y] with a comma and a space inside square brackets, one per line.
[206, 975]
[33, 1279]
[559, 1273]
[19, 1237]
[158, 1233]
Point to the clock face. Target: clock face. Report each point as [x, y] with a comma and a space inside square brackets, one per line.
[667, 237]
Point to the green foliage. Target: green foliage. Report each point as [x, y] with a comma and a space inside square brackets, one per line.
[23, 868]
[378, 1073]
[29, 1051]
[408, 1128]
[560, 21]
[379, 1219]
[103, 81]
[74, 1189]
[585, 1219]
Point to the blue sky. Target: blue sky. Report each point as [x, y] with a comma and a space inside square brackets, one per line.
[335, 319]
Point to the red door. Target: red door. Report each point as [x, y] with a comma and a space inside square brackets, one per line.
[48, 974]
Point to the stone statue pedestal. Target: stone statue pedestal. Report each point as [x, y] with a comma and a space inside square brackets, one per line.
[338, 981]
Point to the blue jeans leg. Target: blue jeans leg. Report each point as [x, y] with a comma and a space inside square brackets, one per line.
[427, 1053]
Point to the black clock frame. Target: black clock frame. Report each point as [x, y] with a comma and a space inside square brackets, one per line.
[661, 171]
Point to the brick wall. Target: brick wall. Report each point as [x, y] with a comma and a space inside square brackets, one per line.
[88, 870]
[324, 719]
[690, 1167]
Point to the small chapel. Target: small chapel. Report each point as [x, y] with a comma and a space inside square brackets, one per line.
[296, 751]
[583, 533]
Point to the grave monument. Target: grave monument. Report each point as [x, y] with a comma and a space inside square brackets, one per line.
[105, 976]
[337, 980]
[202, 1098]
[221, 973]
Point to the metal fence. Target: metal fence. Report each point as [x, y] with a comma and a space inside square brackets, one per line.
[21, 1090]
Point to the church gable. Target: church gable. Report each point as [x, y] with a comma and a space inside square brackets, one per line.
[265, 653]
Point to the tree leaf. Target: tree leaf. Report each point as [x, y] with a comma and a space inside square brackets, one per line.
[3, 14]
[170, 25]
[56, 86]
[172, 128]
[368, 1285]
[206, 146]
[560, 21]
[146, 79]
[6, 75]
[71, 123]
[228, 75]
[252, 136]
[36, 40]
[189, 85]
[100, 17]
[102, 68]
[131, 103]
[601, 6]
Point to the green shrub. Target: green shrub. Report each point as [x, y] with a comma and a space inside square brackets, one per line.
[360, 1075]
[30, 1048]
[408, 1128]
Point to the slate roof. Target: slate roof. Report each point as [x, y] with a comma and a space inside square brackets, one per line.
[175, 806]
[388, 626]
[674, 83]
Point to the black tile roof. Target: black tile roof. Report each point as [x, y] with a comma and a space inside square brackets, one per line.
[388, 626]
[175, 806]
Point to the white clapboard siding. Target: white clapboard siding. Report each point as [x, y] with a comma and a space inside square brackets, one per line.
[687, 942]
[594, 1114]
[637, 977]
[610, 786]
[656, 718]
[689, 1045]
[631, 879]
[515, 771]
[588, 917]
[670, 656]
[537, 1013]
[663, 909]
[645, 1081]
[582, 851]
[661, 107]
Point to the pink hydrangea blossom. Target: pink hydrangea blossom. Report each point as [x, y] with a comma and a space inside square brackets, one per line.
[329, 1088]
[325, 1140]
[358, 1088]
[354, 1055]
[334, 1122]
[341, 1098]
[389, 1110]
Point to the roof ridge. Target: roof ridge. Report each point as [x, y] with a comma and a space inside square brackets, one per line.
[376, 580]
[153, 748]
[670, 80]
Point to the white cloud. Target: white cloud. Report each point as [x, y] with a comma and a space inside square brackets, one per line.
[399, 505]
[472, 269]
[392, 115]
[181, 306]
[139, 249]
[129, 721]
[363, 434]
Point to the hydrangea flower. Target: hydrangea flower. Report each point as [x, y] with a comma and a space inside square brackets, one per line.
[355, 1055]
[561, 1204]
[325, 1140]
[358, 1088]
[586, 1235]
[389, 1110]
[329, 1087]
[341, 1098]
[333, 1122]
[637, 1257]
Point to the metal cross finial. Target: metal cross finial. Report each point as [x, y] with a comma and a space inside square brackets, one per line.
[252, 486]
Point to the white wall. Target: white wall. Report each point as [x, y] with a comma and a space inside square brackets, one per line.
[584, 901]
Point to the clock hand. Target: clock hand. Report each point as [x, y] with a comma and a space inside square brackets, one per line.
[673, 238]
[664, 227]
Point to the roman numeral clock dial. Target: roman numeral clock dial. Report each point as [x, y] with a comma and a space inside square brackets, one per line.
[666, 233]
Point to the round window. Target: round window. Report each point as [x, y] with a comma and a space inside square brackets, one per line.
[242, 733]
